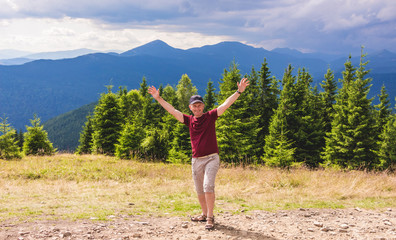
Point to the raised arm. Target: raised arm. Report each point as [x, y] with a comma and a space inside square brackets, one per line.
[231, 99]
[176, 113]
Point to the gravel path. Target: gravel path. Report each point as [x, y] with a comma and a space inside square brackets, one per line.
[297, 224]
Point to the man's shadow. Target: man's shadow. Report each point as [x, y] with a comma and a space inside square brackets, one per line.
[232, 231]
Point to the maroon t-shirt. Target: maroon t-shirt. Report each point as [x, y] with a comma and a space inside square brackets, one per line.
[202, 133]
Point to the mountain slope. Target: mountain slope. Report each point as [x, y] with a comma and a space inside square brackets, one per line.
[53, 87]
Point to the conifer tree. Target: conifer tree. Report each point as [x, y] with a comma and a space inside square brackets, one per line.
[279, 142]
[180, 146]
[129, 143]
[267, 103]
[384, 110]
[36, 139]
[133, 132]
[329, 86]
[238, 126]
[8, 144]
[387, 145]
[85, 146]
[352, 142]
[107, 123]
[210, 97]
[307, 131]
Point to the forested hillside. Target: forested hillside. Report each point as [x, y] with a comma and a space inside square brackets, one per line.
[53, 87]
[277, 122]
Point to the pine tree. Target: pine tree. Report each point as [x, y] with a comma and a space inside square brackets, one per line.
[184, 90]
[387, 145]
[107, 124]
[210, 97]
[85, 146]
[307, 131]
[36, 139]
[267, 103]
[384, 110]
[129, 143]
[133, 132]
[228, 125]
[180, 144]
[8, 144]
[329, 86]
[237, 127]
[279, 140]
[351, 142]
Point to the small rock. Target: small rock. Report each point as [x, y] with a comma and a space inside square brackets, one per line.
[344, 226]
[325, 229]
[310, 229]
[388, 223]
[66, 234]
[184, 225]
[137, 235]
[131, 204]
[318, 224]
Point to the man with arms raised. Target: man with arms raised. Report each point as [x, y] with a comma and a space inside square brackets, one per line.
[205, 153]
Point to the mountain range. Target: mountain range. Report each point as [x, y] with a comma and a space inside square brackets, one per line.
[53, 87]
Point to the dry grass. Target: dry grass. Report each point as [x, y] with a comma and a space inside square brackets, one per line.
[92, 186]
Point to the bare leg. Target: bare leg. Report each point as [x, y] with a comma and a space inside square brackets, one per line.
[210, 202]
[202, 202]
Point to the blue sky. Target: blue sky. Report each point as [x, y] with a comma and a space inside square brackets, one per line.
[330, 26]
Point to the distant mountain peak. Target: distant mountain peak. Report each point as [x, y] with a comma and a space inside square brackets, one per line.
[154, 48]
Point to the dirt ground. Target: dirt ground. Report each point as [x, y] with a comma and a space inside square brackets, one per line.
[297, 224]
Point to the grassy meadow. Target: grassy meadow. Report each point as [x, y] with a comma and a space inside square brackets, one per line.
[67, 186]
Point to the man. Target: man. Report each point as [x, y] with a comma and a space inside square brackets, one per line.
[205, 153]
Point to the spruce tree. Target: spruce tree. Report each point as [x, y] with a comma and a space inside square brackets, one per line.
[387, 145]
[180, 144]
[36, 139]
[107, 124]
[329, 86]
[85, 146]
[308, 128]
[210, 97]
[228, 125]
[267, 103]
[9, 148]
[279, 140]
[384, 110]
[352, 141]
[133, 133]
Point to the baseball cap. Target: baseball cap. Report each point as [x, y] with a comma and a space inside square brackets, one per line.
[195, 99]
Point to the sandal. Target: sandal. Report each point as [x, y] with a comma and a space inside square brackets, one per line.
[200, 218]
[209, 223]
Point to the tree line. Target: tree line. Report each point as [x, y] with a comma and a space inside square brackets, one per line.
[276, 122]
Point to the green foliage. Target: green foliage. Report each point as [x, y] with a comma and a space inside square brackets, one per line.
[107, 124]
[329, 86]
[351, 143]
[36, 140]
[387, 149]
[85, 146]
[64, 130]
[210, 97]
[129, 141]
[9, 148]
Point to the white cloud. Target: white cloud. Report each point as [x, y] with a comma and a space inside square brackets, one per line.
[301, 24]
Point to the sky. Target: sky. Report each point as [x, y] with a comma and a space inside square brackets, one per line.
[327, 26]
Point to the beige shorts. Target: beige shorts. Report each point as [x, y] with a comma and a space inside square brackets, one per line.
[204, 170]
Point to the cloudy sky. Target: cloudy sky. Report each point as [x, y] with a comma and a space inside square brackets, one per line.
[336, 26]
